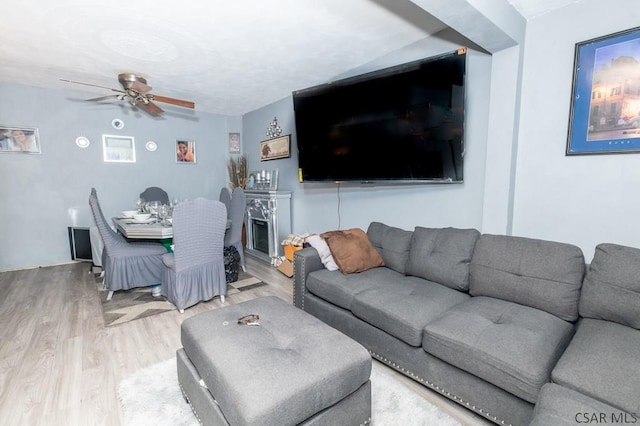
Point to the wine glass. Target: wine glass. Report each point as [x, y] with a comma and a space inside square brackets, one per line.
[163, 213]
[153, 207]
[139, 205]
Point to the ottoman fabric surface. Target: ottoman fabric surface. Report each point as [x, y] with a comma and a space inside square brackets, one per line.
[281, 372]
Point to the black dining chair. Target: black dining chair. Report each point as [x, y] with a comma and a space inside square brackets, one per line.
[154, 193]
[126, 265]
[225, 198]
[237, 209]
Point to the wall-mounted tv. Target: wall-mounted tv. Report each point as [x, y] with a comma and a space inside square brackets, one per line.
[398, 125]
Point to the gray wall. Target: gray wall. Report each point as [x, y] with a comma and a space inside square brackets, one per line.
[43, 194]
[517, 178]
[584, 200]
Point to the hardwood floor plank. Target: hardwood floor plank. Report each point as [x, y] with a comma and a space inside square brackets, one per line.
[59, 365]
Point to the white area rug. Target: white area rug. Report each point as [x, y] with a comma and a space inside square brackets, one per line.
[152, 396]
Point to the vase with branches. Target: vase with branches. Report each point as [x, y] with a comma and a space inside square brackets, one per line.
[237, 169]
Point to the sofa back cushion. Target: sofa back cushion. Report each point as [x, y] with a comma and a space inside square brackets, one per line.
[611, 289]
[442, 255]
[392, 244]
[546, 275]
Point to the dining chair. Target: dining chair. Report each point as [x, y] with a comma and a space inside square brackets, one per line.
[126, 265]
[237, 209]
[225, 198]
[194, 272]
[154, 193]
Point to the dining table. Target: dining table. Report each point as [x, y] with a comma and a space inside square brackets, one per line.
[152, 229]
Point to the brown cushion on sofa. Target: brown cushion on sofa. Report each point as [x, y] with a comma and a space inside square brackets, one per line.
[352, 250]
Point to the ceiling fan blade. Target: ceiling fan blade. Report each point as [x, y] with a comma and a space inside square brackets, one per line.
[140, 87]
[150, 107]
[173, 101]
[93, 85]
[102, 98]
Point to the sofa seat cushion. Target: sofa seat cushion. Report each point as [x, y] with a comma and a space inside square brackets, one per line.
[403, 309]
[511, 346]
[560, 406]
[603, 361]
[340, 289]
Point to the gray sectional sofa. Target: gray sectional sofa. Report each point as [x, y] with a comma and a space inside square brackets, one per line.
[502, 325]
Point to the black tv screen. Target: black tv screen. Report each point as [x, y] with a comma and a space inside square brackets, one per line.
[400, 124]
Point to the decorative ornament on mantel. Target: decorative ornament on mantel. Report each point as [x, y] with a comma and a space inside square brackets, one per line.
[274, 130]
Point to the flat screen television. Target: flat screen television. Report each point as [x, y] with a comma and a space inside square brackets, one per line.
[398, 125]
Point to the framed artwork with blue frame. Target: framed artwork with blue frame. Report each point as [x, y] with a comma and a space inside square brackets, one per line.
[605, 103]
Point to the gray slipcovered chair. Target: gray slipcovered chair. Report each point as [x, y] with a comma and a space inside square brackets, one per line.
[125, 264]
[194, 272]
[154, 193]
[233, 237]
[225, 198]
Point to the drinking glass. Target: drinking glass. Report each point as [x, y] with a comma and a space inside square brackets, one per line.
[163, 213]
[153, 207]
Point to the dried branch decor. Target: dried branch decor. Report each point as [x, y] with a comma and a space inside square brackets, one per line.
[237, 168]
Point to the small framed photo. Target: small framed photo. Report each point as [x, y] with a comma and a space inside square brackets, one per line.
[19, 139]
[605, 112]
[251, 181]
[234, 143]
[185, 152]
[273, 149]
[118, 149]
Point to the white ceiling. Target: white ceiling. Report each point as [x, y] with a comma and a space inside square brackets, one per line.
[229, 57]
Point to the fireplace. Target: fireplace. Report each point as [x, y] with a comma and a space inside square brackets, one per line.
[268, 223]
[260, 235]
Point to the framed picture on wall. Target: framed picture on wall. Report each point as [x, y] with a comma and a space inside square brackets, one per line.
[19, 139]
[118, 149]
[234, 143]
[605, 102]
[185, 152]
[275, 148]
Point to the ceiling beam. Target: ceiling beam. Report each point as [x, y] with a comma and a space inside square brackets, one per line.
[494, 25]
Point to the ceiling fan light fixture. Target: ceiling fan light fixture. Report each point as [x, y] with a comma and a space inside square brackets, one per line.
[136, 91]
[127, 80]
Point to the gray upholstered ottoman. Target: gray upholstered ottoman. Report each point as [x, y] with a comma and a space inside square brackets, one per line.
[291, 369]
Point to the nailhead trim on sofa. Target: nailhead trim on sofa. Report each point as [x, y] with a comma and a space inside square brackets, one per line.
[438, 389]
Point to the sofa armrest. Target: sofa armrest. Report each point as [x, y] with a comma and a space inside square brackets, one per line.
[305, 261]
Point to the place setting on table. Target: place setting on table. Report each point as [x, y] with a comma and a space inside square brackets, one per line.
[152, 220]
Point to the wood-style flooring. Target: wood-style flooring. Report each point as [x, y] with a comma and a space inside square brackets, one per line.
[59, 365]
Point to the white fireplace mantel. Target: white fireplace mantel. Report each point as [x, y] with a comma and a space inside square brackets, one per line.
[268, 223]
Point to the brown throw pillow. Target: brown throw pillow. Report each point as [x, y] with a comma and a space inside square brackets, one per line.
[352, 250]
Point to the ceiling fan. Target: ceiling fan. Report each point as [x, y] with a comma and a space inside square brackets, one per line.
[136, 91]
